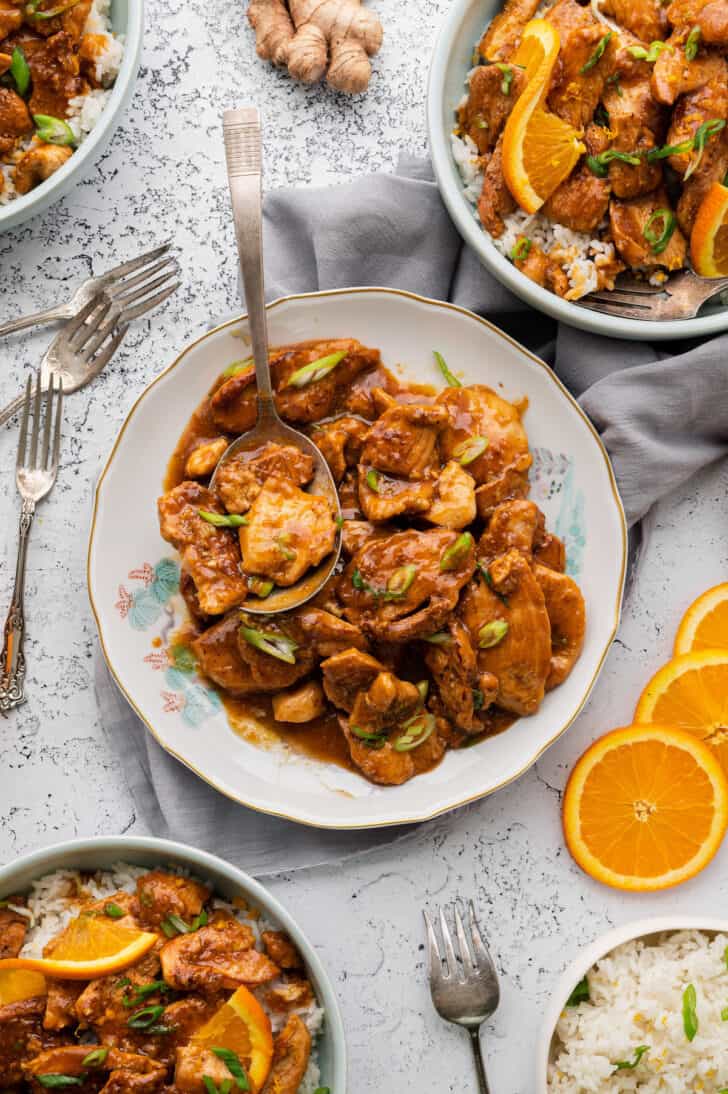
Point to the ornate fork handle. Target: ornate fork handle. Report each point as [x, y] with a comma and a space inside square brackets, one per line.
[479, 1065]
[12, 408]
[48, 315]
[12, 670]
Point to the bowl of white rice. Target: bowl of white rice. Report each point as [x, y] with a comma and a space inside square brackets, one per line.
[103, 866]
[94, 116]
[643, 1009]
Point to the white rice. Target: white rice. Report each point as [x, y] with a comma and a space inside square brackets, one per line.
[636, 999]
[54, 900]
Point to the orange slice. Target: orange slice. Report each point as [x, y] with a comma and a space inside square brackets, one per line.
[539, 149]
[645, 808]
[17, 984]
[705, 624]
[242, 1027]
[89, 947]
[709, 237]
[691, 692]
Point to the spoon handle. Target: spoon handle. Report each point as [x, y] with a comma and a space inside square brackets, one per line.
[241, 131]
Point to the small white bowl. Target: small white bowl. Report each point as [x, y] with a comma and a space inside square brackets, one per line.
[591, 954]
[127, 19]
[102, 852]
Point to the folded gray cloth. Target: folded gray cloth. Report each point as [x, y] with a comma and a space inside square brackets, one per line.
[663, 414]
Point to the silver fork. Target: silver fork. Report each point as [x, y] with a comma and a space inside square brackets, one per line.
[464, 988]
[86, 344]
[681, 297]
[36, 469]
[113, 282]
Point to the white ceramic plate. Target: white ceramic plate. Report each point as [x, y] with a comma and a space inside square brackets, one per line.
[132, 572]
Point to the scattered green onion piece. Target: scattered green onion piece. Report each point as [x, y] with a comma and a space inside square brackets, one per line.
[371, 740]
[372, 480]
[691, 45]
[200, 920]
[580, 994]
[651, 54]
[358, 581]
[703, 132]
[520, 250]
[598, 164]
[237, 367]
[51, 1081]
[20, 71]
[322, 1090]
[178, 923]
[725, 957]
[259, 587]
[146, 1017]
[423, 687]
[724, 1014]
[471, 449]
[658, 241]
[441, 638]
[146, 899]
[597, 54]
[124, 982]
[210, 1085]
[601, 116]
[232, 1063]
[316, 370]
[339, 521]
[417, 731]
[53, 130]
[31, 10]
[141, 991]
[455, 555]
[275, 645]
[492, 634]
[689, 1012]
[478, 699]
[669, 150]
[168, 929]
[223, 520]
[507, 73]
[113, 911]
[630, 1065]
[95, 1058]
[282, 543]
[479, 122]
[160, 1029]
[614, 80]
[400, 581]
[450, 379]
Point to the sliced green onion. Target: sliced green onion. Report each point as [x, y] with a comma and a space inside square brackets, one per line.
[456, 554]
[282, 542]
[417, 730]
[492, 633]
[358, 581]
[259, 587]
[521, 250]
[232, 1063]
[724, 1014]
[223, 520]
[400, 581]
[212, 1088]
[372, 480]
[580, 994]
[31, 10]
[20, 71]
[691, 45]
[470, 449]
[237, 367]
[146, 1017]
[725, 957]
[478, 699]
[597, 54]
[507, 80]
[113, 911]
[276, 645]
[598, 164]
[95, 1058]
[141, 991]
[689, 1012]
[479, 122]
[441, 638]
[614, 80]
[339, 521]
[702, 134]
[630, 1065]
[124, 982]
[309, 374]
[371, 740]
[423, 687]
[450, 379]
[601, 116]
[53, 130]
[658, 241]
[669, 150]
[52, 1081]
[651, 54]
[322, 1090]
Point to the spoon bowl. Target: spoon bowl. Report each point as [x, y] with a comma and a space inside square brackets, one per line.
[241, 130]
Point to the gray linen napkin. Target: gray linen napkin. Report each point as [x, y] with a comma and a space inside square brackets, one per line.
[663, 414]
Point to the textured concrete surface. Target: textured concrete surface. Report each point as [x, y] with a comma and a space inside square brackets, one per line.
[162, 177]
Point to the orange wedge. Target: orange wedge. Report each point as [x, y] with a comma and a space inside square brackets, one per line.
[242, 1027]
[691, 692]
[17, 984]
[89, 947]
[705, 624]
[709, 237]
[645, 808]
[539, 149]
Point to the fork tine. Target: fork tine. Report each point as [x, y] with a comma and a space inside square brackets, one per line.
[465, 957]
[482, 955]
[127, 283]
[101, 334]
[57, 430]
[629, 311]
[24, 426]
[124, 300]
[108, 351]
[450, 959]
[33, 461]
[80, 339]
[133, 264]
[146, 305]
[47, 424]
[434, 960]
[80, 318]
[617, 296]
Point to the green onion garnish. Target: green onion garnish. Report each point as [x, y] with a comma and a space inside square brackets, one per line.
[309, 374]
[237, 367]
[580, 994]
[598, 164]
[614, 80]
[470, 450]
[658, 241]
[53, 130]
[702, 133]
[259, 587]
[441, 638]
[423, 687]
[691, 45]
[95, 1058]
[20, 71]
[146, 1017]
[276, 645]
[232, 1063]
[31, 10]
[400, 581]
[416, 732]
[630, 1065]
[372, 480]
[113, 911]
[282, 542]
[478, 699]
[223, 520]
[724, 1014]
[492, 633]
[689, 1012]
[601, 116]
[50, 1081]
[651, 54]
[212, 1088]
[521, 249]
[456, 554]
[322, 1090]
[507, 72]
[141, 991]
[372, 740]
[597, 54]
[452, 381]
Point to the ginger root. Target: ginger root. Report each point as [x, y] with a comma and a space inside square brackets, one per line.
[316, 37]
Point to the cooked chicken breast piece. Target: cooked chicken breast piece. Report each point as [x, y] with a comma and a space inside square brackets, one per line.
[347, 673]
[567, 615]
[579, 78]
[22, 1037]
[492, 96]
[15, 120]
[647, 20]
[461, 688]
[291, 1051]
[240, 480]
[710, 15]
[281, 950]
[637, 124]
[503, 36]
[160, 894]
[300, 704]
[13, 928]
[629, 219]
[220, 956]
[119, 1072]
[339, 442]
[496, 201]
[453, 503]
[288, 532]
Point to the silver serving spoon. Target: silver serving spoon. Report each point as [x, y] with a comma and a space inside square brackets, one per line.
[241, 129]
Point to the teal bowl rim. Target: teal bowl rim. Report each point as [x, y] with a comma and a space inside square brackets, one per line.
[64, 179]
[448, 54]
[98, 851]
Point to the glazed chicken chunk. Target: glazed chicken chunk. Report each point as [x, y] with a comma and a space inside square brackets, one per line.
[22, 1037]
[288, 532]
[13, 927]
[240, 480]
[214, 958]
[160, 895]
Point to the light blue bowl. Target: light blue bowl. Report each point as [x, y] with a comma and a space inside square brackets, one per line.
[102, 852]
[127, 18]
[451, 61]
